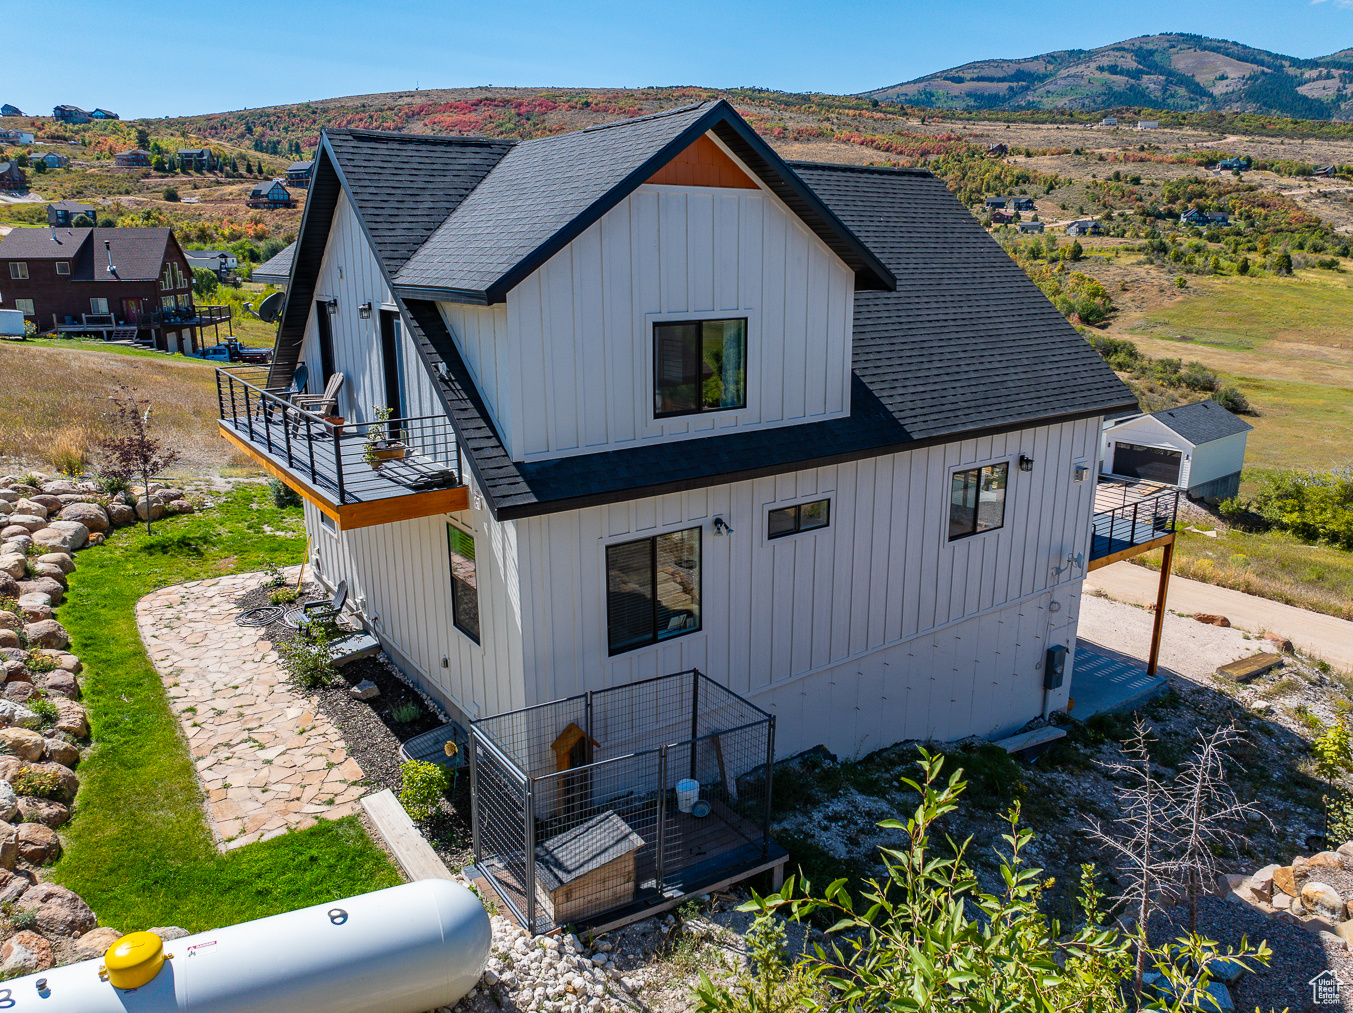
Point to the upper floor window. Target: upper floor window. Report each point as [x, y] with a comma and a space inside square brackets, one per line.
[18, 270]
[792, 520]
[464, 582]
[977, 500]
[699, 366]
[652, 589]
[63, 267]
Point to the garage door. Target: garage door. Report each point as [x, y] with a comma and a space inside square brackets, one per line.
[1150, 463]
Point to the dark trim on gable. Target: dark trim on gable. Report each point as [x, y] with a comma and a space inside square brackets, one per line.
[442, 294]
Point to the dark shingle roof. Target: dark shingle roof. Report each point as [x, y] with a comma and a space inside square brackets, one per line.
[75, 207]
[1202, 422]
[967, 345]
[298, 166]
[546, 192]
[138, 254]
[277, 270]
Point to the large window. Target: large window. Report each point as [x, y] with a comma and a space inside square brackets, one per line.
[652, 589]
[699, 366]
[18, 270]
[25, 306]
[464, 584]
[977, 500]
[792, 520]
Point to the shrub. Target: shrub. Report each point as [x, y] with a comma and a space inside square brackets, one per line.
[38, 783]
[283, 495]
[424, 786]
[309, 658]
[1311, 505]
[113, 484]
[1244, 266]
[170, 194]
[1196, 376]
[273, 576]
[1232, 400]
[24, 920]
[36, 662]
[405, 713]
[45, 710]
[1282, 263]
[1181, 282]
[283, 595]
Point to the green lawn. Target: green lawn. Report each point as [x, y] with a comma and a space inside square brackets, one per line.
[139, 849]
[96, 345]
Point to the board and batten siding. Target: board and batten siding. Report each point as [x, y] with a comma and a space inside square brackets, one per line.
[567, 367]
[927, 638]
[350, 273]
[399, 581]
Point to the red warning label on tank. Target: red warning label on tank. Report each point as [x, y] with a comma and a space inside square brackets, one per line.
[194, 950]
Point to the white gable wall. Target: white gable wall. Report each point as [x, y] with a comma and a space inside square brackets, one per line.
[1217, 459]
[1147, 431]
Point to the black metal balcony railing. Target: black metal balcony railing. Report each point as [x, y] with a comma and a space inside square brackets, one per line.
[1134, 523]
[195, 315]
[351, 462]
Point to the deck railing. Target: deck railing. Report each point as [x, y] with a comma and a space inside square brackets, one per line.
[1134, 523]
[195, 315]
[351, 462]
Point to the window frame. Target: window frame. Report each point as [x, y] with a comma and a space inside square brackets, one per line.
[1010, 471]
[475, 635]
[799, 531]
[652, 540]
[751, 382]
[63, 264]
[93, 305]
[32, 310]
[18, 270]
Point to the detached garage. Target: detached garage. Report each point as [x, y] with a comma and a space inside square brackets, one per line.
[1198, 447]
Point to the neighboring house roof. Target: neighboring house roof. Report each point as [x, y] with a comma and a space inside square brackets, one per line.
[194, 151]
[137, 253]
[75, 207]
[299, 166]
[1201, 422]
[263, 189]
[277, 270]
[134, 151]
[544, 193]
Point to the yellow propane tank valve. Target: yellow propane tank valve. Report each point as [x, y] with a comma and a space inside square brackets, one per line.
[134, 960]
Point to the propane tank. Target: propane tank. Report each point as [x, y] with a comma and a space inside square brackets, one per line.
[408, 949]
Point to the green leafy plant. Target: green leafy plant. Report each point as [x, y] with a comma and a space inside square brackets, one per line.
[283, 495]
[38, 783]
[36, 662]
[24, 920]
[379, 435]
[113, 484]
[273, 576]
[424, 786]
[45, 710]
[309, 657]
[405, 713]
[11, 605]
[283, 595]
[1333, 753]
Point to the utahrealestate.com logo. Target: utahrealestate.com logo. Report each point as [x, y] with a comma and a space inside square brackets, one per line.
[1325, 989]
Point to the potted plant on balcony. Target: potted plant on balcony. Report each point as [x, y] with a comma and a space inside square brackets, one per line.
[383, 443]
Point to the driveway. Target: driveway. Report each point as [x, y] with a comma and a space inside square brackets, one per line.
[1321, 635]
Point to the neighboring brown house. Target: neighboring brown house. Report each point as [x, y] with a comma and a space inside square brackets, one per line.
[135, 157]
[12, 177]
[135, 279]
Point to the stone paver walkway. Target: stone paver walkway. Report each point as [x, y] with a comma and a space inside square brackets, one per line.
[268, 759]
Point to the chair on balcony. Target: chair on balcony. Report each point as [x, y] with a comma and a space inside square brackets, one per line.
[325, 404]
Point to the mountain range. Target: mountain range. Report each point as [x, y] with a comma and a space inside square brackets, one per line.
[1173, 71]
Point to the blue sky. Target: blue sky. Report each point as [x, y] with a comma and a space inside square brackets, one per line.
[154, 58]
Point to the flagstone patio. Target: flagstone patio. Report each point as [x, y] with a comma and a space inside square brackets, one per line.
[269, 760]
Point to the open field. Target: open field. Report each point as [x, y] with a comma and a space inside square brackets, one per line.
[55, 397]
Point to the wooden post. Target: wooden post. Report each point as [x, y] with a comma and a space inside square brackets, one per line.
[1167, 560]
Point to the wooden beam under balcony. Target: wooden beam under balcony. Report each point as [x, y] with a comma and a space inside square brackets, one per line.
[365, 514]
[1132, 550]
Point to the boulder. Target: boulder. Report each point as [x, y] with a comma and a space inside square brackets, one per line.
[15, 714]
[1284, 880]
[153, 506]
[12, 886]
[52, 504]
[23, 953]
[61, 539]
[9, 621]
[23, 743]
[49, 570]
[8, 638]
[35, 606]
[1261, 883]
[14, 565]
[60, 911]
[168, 932]
[61, 559]
[69, 662]
[59, 683]
[9, 845]
[27, 505]
[60, 751]
[120, 515]
[365, 690]
[9, 803]
[7, 494]
[70, 718]
[1324, 860]
[60, 485]
[23, 488]
[1323, 900]
[43, 810]
[19, 692]
[95, 943]
[91, 515]
[1212, 620]
[1279, 641]
[43, 585]
[17, 544]
[26, 523]
[6, 508]
[178, 506]
[47, 633]
[68, 783]
[38, 844]
[169, 494]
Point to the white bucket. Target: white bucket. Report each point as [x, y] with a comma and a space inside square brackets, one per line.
[687, 792]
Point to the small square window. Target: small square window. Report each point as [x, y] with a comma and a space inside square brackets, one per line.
[63, 267]
[699, 366]
[18, 270]
[977, 500]
[98, 305]
[792, 520]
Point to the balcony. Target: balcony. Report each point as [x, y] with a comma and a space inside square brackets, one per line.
[359, 473]
[1131, 518]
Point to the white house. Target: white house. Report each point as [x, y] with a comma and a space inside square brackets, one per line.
[1197, 447]
[1148, 124]
[668, 402]
[1109, 121]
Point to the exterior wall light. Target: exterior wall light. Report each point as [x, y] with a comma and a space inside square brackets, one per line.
[1026, 463]
[364, 310]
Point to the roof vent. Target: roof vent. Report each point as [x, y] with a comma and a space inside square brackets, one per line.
[108, 249]
[54, 239]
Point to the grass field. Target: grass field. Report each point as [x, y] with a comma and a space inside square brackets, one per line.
[54, 400]
[1272, 565]
[139, 849]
